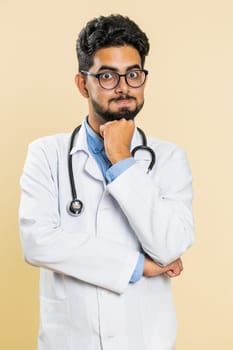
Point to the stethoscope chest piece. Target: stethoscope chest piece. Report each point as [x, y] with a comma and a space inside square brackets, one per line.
[75, 207]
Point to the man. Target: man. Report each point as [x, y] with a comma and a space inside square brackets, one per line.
[105, 273]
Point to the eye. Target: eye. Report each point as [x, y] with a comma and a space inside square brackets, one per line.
[107, 76]
[134, 74]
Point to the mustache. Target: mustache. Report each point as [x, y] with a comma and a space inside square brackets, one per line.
[123, 97]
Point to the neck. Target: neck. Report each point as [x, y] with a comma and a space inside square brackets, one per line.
[95, 124]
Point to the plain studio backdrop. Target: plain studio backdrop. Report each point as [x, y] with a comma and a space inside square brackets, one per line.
[188, 101]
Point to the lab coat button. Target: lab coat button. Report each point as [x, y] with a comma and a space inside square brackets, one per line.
[109, 337]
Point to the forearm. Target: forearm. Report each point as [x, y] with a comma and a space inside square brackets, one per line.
[94, 260]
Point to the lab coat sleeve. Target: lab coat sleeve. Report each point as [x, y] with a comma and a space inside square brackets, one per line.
[84, 256]
[158, 205]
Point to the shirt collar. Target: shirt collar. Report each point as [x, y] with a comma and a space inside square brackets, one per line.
[95, 142]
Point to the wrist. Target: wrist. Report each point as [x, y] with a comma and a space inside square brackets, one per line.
[151, 268]
[117, 157]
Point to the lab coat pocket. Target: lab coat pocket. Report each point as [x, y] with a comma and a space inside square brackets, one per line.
[54, 327]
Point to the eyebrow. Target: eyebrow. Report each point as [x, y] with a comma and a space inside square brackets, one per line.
[105, 67]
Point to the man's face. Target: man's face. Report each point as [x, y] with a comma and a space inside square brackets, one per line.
[121, 102]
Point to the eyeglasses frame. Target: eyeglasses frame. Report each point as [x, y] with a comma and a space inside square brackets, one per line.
[97, 75]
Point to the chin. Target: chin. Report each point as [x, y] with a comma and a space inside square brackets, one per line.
[123, 112]
[128, 115]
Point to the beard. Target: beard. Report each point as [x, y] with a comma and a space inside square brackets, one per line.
[124, 112]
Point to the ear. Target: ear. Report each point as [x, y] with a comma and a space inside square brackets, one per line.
[80, 81]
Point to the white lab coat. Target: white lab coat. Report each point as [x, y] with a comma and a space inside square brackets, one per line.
[86, 300]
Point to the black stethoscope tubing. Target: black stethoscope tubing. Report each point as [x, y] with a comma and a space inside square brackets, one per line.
[75, 207]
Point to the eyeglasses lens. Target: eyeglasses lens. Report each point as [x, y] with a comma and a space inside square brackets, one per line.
[109, 80]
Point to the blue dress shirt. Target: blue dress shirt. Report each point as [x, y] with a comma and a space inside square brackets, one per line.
[110, 173]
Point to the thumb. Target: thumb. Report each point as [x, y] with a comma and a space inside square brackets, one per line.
[101, 130]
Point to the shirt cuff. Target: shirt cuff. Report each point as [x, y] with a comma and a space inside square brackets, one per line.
[117, 169]
[137, 274]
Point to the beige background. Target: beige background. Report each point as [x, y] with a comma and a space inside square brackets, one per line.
[188, 101]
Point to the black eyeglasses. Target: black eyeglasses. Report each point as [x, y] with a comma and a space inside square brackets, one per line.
[109, 80]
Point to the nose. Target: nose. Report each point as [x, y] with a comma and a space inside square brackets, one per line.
[122, 86]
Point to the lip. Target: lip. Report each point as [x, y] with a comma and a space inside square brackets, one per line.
[124, 102]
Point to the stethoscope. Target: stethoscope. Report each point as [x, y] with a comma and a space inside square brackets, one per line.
[75, 207]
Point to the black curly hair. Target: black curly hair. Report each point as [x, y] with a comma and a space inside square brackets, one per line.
[103, 32]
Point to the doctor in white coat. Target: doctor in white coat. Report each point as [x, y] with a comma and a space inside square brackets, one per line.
[106, 273]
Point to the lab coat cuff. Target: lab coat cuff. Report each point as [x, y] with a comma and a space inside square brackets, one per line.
[138, 272]
[127, 272]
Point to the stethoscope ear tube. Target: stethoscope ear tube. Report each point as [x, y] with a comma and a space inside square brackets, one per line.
[74, 207]
[145, 147]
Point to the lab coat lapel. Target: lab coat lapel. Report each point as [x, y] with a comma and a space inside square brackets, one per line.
[92, 168]
[80, 146]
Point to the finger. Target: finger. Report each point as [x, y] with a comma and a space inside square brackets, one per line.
[177, 271]
[180, 265]
[172, 273]
[104, 127]
[176, 268]
[101, 130]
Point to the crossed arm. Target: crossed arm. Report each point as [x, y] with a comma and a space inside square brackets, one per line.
[163, 225]
[117, 137]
